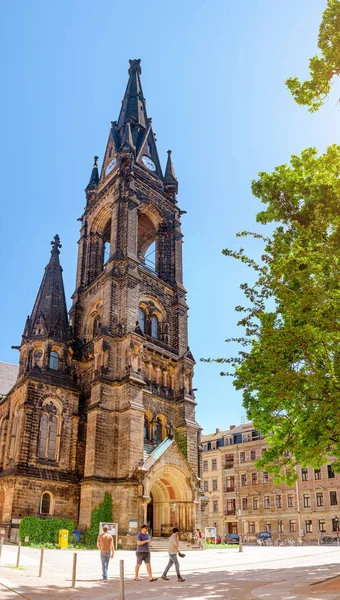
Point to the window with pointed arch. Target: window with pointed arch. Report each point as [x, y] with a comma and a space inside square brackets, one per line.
[95, 327]
[158, 431]
[54, 361]
[154, 327]
[49, 421]
[46, 503]
[14, 435]
[146, 429]
[141, 319]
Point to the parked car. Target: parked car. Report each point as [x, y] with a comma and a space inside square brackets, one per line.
[232, 538]
[218, 540]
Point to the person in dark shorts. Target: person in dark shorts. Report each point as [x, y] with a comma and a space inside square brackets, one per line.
[143, 553]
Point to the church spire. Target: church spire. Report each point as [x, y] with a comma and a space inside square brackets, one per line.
[133, 104]
[49, 314]
[170, 179]
[94, 179]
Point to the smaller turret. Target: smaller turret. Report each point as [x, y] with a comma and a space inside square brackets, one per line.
[170, 179]
[47, 333]
[91, 187]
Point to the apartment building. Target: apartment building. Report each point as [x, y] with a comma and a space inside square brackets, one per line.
[240, 497]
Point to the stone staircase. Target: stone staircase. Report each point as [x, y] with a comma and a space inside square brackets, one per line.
[160, 544]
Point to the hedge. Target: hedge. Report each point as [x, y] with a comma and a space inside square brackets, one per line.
[43, 531]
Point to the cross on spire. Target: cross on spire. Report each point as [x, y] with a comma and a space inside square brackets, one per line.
[56, 244]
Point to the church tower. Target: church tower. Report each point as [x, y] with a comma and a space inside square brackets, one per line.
[104, 402]
[129, 320]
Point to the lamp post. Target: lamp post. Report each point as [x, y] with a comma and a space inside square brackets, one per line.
[336, 520]
[239, 513]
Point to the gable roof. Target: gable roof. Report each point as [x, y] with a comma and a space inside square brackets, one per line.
[8, 377]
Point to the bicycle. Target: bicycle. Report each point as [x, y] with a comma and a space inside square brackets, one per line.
[326, 539]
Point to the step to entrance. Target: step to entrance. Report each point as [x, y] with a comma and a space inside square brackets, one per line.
[159, 544]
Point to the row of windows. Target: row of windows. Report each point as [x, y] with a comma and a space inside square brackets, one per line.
[292, 526]
[269, 502]
[231, 440]
[149, 326]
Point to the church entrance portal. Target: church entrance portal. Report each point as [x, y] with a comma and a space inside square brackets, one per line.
[171, 503]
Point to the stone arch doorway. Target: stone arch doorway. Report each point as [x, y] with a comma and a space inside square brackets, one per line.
[171, 502]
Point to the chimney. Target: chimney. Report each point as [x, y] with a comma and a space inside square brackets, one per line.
[232, 426]
[217, 430]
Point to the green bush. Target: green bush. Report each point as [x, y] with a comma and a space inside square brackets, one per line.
[43, 531]
[103, 512]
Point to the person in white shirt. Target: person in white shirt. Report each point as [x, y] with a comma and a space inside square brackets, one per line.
[173, 550]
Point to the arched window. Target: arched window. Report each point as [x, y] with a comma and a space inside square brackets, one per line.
[158, 431]
[45, 504]
[141, 319]
[95, 327]
[54, 361]
[146, 429]
[14, 435]
[106, 243]
[154, 327]
[48, 433]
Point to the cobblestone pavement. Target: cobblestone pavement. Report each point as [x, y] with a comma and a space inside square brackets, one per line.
[307, 573]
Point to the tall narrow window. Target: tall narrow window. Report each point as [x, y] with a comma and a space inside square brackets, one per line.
[106, 243]
[43, 436]
[45, 506]
[141, 319]
[54, 361]
[158, 431]
[146, 429]
[154, 327]
[14, 435]
[95, 327]
[47, 449]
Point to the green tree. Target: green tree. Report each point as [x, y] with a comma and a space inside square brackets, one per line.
[289, 362]
[312, 93]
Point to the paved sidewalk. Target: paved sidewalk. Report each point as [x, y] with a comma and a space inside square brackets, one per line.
[307, 573]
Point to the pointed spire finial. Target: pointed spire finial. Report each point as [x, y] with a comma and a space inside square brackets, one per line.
[170, 179]
[135, 66]
[56, 245]
[94, 179]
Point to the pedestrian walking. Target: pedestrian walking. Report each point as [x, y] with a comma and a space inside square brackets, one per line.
[199, 539]
[105, 545]
[173, 549]
[143, 553]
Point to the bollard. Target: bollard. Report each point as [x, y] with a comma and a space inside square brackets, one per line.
[41, 561]
[1, 544]
[74, 569]
[121, 580]
[18, 555]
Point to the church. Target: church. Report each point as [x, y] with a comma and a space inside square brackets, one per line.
[104, 398]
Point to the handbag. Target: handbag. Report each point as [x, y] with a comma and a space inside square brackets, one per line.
[181, 554]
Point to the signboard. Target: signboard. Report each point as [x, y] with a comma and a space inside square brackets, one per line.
[112, 529]
[210, 532]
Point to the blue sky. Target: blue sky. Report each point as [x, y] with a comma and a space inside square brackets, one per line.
[213, 75]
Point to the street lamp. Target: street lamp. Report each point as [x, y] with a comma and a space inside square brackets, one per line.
[239, 513]
[336, 522]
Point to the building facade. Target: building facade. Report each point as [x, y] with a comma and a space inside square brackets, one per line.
[104, 400]
[232, 483]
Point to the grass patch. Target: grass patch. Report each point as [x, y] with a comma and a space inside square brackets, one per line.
[213, 547]
[16, 568]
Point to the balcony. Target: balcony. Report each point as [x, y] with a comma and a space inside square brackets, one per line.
[230, 511]
[229, 489]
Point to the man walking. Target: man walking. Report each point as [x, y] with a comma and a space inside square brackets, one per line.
[143, 553]
[173, 551]
[105, 545]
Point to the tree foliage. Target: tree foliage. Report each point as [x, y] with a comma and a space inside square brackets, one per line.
[289, 362]
[322, 69]
[103, 513]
